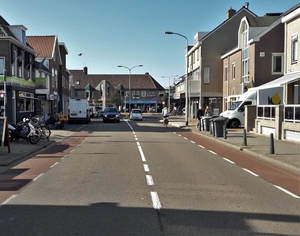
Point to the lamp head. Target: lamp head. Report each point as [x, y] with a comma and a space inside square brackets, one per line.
[168, 32]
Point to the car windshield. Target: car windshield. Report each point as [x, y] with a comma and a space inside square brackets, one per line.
[111, 110]
[235, 105]
[136, 111]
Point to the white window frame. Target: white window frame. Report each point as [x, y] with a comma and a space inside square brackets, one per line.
[144, 94]
[245, 68]
[226, 73]
[274, 56]
[294, 48]
[233, 74]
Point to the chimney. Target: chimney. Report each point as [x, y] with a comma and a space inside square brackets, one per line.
[247, 5]
[85, 70]
[230, 13]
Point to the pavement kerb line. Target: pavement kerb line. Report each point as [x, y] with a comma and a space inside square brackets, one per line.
[29, 153]
[253, 154]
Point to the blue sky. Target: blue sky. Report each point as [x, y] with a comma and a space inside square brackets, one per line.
[127, 32]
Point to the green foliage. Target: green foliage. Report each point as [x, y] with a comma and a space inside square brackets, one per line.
[115, 98]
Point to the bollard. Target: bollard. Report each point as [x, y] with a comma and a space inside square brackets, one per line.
[224, 132]
[245, 138]
[272, 151]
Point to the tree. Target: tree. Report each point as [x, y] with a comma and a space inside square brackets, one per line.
[115, 98]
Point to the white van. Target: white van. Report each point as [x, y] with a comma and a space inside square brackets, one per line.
[254, 96]
[93, 111]
[78, 111]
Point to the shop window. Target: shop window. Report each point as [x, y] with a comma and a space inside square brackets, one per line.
[26, 102]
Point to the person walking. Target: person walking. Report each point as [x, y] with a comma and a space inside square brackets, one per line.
[207, 111]
[199, 114]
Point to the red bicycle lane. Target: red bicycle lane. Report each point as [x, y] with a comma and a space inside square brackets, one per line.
[17, 178]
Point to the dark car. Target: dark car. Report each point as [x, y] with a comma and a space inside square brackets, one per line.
[111, 114]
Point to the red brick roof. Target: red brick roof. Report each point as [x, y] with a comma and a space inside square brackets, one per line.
[137, 81]
[43, 45]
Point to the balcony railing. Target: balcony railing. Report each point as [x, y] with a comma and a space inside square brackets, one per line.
[292, 113]
[266, 112]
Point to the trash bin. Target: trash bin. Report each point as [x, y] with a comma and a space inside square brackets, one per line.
[218, 124]
[212, 127]
[206, 122]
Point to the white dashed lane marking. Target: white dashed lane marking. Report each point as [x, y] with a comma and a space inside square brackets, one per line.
[250, 172]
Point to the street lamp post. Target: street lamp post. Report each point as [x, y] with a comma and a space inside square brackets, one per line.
[169, 87]
[129, 69]
[187, 99]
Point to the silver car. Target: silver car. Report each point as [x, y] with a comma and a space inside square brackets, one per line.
[136, 114]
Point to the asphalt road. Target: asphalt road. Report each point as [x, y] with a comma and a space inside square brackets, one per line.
[140, 178]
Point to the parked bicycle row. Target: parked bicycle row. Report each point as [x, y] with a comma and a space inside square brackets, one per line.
[35, 128]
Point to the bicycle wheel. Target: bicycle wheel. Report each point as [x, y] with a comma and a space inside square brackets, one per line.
[45, 133]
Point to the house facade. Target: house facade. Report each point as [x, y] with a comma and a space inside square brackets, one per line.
[255, 61]
[17, 77]
[51, 89]
[282, 120]
[144, 91]
[205, 64]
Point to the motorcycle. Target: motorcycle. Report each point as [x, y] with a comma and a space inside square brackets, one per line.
[55, 123]
[24, 130]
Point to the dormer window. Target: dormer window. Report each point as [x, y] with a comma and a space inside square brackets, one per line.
[23, 39]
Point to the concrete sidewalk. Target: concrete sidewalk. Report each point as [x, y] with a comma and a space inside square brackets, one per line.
[23, 148]
[287, 153]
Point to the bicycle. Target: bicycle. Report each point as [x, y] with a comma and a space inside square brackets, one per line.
[166, 121]
[39, 123]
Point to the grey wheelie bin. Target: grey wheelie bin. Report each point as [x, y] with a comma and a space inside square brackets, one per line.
[218, 124]
[206, 122]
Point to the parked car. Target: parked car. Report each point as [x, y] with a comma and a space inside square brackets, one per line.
[136, 114]
[111, 114]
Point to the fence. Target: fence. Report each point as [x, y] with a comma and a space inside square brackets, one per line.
[292, 113]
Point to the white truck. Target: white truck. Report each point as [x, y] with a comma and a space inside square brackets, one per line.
[79, 111]
[254, 96]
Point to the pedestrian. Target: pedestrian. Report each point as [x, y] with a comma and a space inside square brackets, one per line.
[207, 111]
[199, 114]
[47, 116]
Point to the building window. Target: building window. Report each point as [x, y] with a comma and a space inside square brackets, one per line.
[2, 66]
[23, 36]
[277, 63]
[245, 68]
[26, 101]
[137, 94]
[143, 94]
[132, 94]
[206, 75]
[226, 73]
[233, 71]
[13, 66]
[294, 48]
